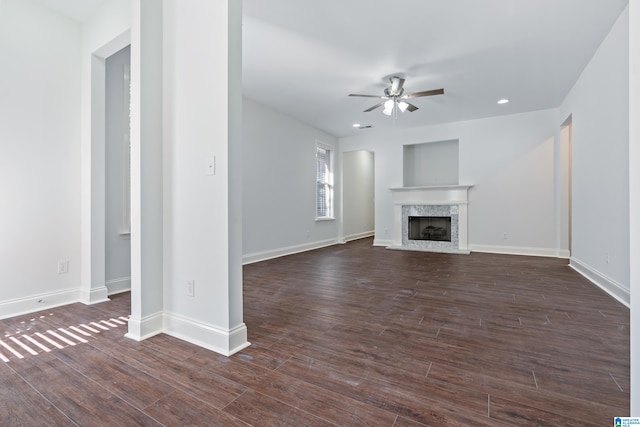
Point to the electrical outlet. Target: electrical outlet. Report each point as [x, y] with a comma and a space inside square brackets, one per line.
[606, 254]
[191, 288]
[63, 267]
[506, 236]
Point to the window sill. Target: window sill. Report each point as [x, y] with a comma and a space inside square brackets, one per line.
[326, 218]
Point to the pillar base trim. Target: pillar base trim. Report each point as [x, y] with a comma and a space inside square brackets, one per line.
[223, 341]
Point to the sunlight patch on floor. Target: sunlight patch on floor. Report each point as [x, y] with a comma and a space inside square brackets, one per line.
[20, 345]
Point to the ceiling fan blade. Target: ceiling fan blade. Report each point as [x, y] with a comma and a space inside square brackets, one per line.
[379, 104]
[396, 85]
[411, 108]
[424, 93]
[366, 96]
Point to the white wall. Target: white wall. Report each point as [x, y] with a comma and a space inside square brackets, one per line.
[509, 160]
[599, 106]
[39, 157]
[357, 194]
[278, 185]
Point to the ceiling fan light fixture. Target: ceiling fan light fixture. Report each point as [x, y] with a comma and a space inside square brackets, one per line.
[394, 98]
[503, 101]
[388, 107]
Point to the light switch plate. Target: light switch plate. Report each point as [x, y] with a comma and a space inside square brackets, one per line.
[211, 166]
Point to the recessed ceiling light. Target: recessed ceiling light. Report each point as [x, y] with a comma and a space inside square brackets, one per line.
[359, 126]
[503, 101]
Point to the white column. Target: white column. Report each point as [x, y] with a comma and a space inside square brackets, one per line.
[92, 286]
[634, 199]
[146, 170]
[202, 181]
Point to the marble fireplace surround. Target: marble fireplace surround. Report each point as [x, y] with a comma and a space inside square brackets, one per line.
[439, 200]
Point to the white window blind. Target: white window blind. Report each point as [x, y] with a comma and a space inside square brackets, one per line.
[324, 182]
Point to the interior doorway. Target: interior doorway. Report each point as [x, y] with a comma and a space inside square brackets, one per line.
[565, 186]
[117, 172]
[94, 286]
[358, 200]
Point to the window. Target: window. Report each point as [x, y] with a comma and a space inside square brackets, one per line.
[324, 181]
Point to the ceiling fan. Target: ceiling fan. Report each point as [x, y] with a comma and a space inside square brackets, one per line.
[394, 97]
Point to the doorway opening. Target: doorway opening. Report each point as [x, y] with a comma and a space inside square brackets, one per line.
[565, 186]
[117, 172]
[97, 283]
[358, 205]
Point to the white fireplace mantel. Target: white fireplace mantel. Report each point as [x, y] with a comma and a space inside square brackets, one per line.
[450, 198]
[434, 194]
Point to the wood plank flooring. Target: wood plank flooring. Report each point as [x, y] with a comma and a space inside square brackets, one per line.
[347, 335]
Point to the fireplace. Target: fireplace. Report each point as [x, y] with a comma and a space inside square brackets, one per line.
[436, 228]
[431, 219]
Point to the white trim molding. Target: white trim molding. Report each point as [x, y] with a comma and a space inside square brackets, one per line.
[357, 236]
[94, 295]
[146, 327]
[289, 250]
[118, 286]
[382, 242]
[222, 341]
[520, 250]
[610, 286]
[33, 303]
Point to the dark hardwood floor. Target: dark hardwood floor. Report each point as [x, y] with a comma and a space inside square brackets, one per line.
[347, 335]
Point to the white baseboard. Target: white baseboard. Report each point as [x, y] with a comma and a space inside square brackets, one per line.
[358, 236]
[20, 306]
[519, 250]
[610, 286]
[383, 242]
[290, 250]
[225, 342]
[94, 295]
[118, 286]
[142, 328]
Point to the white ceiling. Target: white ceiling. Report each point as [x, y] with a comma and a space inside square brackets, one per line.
[303, 57]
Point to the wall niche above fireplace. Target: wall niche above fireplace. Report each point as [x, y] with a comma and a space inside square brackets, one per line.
[430, 163]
